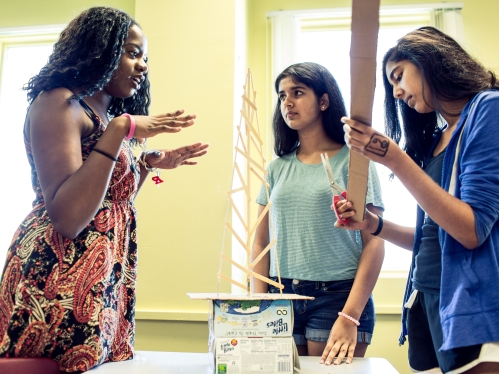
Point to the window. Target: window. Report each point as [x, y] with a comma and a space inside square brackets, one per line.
[22, 57]
[323, 36]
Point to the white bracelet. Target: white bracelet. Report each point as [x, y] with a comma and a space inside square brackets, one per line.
[349, 318]
[142, 160]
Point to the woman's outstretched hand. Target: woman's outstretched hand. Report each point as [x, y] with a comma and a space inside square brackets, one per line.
[149, 126]
[172, 158]
[369, 142]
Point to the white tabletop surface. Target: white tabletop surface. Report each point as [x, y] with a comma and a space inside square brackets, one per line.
[147, 362]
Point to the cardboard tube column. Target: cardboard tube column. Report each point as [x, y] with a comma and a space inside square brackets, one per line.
[365, 25]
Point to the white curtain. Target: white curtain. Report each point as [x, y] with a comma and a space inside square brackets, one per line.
[284, 29]
[449, 21]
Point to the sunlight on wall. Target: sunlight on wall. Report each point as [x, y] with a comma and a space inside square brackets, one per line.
[19, 64]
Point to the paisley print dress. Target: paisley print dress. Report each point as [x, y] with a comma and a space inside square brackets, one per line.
[73, 300]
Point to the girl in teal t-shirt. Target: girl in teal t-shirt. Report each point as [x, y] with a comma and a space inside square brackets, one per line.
[337, 267]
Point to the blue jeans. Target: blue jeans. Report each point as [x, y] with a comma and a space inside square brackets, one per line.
[315, 318]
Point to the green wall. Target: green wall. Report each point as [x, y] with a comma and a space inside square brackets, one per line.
[44, 12]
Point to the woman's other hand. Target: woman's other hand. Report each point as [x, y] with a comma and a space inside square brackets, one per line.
[149, 126]
[172, 158]
[345, 210]
[341, 342]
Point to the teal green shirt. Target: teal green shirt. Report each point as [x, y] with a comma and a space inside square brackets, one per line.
[308, 245]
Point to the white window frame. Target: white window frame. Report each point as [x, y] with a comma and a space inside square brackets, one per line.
[284, 26]
[20, 37]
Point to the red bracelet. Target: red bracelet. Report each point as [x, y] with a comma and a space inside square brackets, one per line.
[132, 126]
[349, 318]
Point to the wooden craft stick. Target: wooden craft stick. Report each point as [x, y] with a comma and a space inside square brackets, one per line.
[241, 179]
[248, 101]
[267, 280]
[260, 217]
[223, 276]
[250, 125]
[258, 144]
[231, 192]
[241, 241]
[239, 266]
[250, 159]
[241, 219]
[263, 253]
[241, 139]
[365, 25]
[262, 179]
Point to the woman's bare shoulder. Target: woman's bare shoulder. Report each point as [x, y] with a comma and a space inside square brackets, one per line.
[54, 110]
[55, 97]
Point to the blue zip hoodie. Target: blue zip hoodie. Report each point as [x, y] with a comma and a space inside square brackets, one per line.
[469, 293]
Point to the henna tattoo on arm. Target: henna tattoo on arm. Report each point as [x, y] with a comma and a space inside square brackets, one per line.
[378, 145]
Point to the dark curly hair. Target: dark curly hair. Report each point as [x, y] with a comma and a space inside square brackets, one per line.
[87, 53]
[450, 73]
[321, 81]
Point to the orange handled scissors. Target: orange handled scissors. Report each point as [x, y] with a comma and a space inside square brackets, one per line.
[338, 192]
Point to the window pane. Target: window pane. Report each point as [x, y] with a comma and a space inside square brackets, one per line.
[332, 50]
[19, 64]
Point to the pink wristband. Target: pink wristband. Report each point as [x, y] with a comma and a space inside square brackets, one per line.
[349, 318]
[132, 126]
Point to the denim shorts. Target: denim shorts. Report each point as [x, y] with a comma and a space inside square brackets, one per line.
[315, 318]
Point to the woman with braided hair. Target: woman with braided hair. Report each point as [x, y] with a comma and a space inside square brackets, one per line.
[67, 291]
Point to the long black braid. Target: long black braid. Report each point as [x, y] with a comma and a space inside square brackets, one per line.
[86, 55]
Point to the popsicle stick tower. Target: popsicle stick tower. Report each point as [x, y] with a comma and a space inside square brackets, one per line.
[249, 167]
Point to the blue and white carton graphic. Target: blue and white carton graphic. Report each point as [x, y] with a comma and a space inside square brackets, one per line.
[254, 355]
[251, 318]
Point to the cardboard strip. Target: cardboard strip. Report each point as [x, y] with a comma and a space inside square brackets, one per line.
[365, 25]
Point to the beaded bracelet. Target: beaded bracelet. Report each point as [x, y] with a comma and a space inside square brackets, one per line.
[132, 126]
[349, 318]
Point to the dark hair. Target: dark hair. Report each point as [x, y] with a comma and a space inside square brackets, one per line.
[450, 73]
[321, 81]
[87, 53]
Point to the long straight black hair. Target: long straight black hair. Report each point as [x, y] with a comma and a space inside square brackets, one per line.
[321, 81]
[448, 72]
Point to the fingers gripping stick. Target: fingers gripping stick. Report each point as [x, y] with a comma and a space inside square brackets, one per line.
[338, 192]
[336, 199]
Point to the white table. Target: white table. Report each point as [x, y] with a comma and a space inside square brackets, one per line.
[147, 362]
